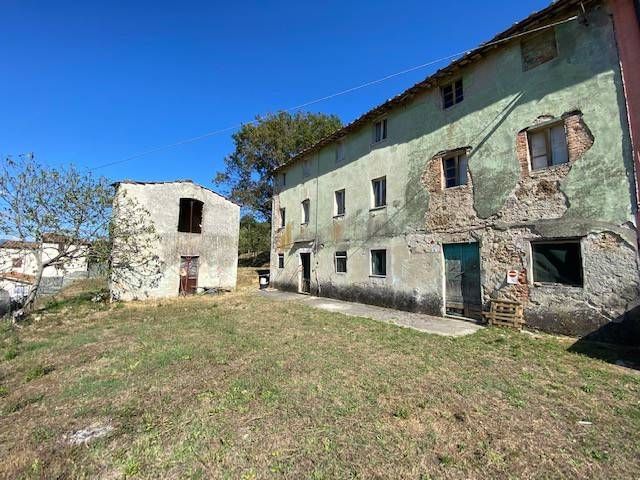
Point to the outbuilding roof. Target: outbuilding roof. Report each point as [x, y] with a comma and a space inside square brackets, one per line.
[556, 10]
[186, 180]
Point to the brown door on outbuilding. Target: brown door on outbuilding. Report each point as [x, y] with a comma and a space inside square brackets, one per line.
[188, 275]
[462, 277]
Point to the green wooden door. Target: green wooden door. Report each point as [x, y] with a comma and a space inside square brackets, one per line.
[462, 279]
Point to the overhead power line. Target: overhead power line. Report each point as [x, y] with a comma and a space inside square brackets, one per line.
[329, 97]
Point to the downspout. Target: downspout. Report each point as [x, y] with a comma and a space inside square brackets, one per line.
[626, 27]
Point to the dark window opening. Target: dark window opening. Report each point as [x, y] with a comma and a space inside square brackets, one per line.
[341, 262]
[380, 130]
[379, 263]
[548, 147]
[190, 219]
[16, 263]
[452, 93]
[455, 170]
[538, 48]
[557, 262]
[283, 217]
[379, 186]
[281, 260]
[305, 211]
[340, 202]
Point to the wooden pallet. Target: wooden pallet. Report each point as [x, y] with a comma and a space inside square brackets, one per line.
[505, 313]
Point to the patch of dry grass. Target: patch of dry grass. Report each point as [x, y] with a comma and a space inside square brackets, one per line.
[239, 387]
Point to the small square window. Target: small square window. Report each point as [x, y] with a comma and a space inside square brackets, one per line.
[339, 203]
[340, 152]
[16, 262]
[379, 263]
[455, 170]
[548, 147]
[283, 217]
[452, 93]
[380, 130]
[557, 262]
[379, 186]
[281, 260]
[305, 211]
[341, 262]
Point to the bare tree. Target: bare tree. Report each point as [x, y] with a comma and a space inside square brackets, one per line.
[37, 201]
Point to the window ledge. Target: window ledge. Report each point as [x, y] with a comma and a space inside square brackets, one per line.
[377, 276]
[457, 187]
[380, 143]
[557, 285]
[339, 216]
[304, 224]
[552, 168]
[341, 273]
[375, 209]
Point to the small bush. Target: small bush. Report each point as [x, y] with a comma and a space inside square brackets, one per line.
[37, 372]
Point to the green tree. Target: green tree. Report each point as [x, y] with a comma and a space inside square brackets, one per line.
[264, 145]
[255, 236]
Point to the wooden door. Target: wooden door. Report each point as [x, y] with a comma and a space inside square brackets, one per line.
[462, 279]
[188, 275]
[305, 286]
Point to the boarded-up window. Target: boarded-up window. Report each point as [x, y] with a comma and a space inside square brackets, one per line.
[190, 219]
[538, 48]
[548, 147]
[379, 263]
[341, 262]
[557, 262]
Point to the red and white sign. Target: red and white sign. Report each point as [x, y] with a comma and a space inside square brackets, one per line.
[512, 277]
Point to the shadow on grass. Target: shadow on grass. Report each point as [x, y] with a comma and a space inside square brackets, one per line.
[615, 342]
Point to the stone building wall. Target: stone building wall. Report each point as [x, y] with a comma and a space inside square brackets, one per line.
[216, 246]
[504, 207]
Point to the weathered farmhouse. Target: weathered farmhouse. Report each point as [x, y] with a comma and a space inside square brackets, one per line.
[196, 244]
[508, 174]
[19, 264]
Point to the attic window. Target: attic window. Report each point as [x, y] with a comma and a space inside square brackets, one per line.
[380, 130]
[452, 93]
[190, 219]
[538, 49]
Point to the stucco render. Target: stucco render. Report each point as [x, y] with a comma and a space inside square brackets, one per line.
[216, 246]
[503, 207]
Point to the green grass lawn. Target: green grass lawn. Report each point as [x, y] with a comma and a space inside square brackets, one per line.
[240, 387]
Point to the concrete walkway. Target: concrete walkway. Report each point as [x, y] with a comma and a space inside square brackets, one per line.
[425, 323]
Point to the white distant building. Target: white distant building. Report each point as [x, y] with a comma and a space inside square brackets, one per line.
[19, 265]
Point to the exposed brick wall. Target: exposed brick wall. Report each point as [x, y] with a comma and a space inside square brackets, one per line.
[432, 175]
[579, 137]
[579, 140]
[522, 153]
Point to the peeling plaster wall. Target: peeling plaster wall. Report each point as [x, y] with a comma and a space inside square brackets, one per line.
[216, 246]
[503, 207]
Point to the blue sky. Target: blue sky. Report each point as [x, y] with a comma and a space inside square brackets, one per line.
[95, 82]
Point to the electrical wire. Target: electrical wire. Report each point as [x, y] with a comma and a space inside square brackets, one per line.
[333, 95]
